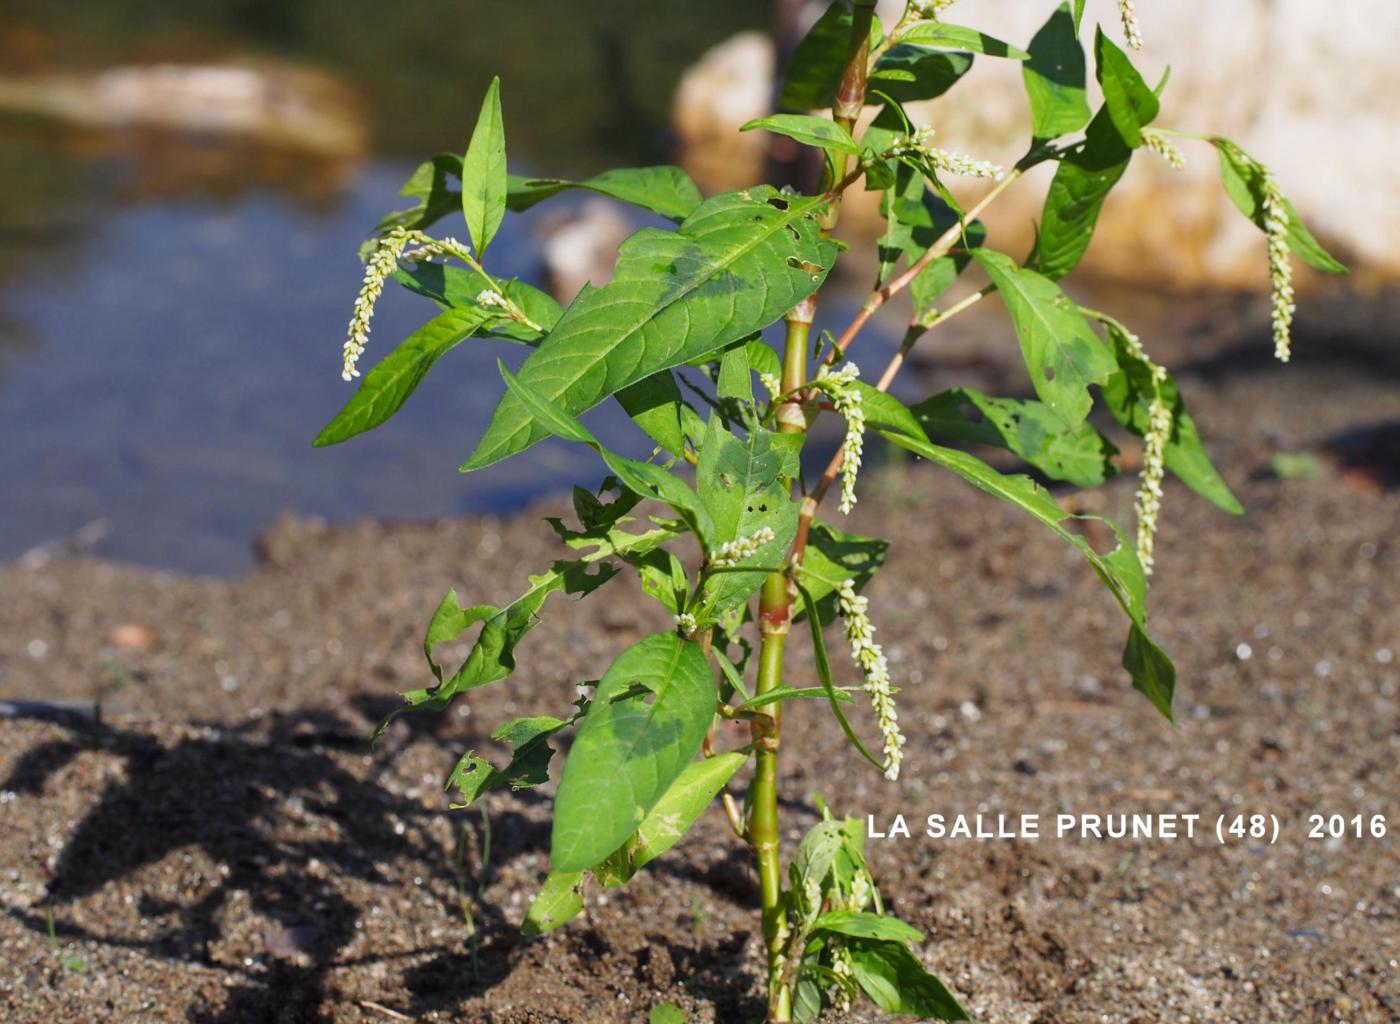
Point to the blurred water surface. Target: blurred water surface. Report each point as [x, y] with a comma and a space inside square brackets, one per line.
[171, 309]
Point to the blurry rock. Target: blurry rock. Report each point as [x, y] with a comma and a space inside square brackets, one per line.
[131, 636]
[265, 103]
[288, 539]
[730, 85]
[581, 247]
[1307, 88]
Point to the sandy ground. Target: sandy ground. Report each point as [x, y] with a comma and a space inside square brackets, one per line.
[220, 846]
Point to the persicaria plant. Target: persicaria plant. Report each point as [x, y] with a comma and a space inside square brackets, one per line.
[690, 306]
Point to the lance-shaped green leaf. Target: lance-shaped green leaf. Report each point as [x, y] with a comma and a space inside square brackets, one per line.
[387, 386]
[1128, 395]
[744, 486]
[1129, 100]
[663, 189]
[737, 264]
[1151, 670]
[809, 130]
[646, 723]
[1060, 349]
[942, 35]
[642, 478]
[1056, 77]
[428, 184]
[832, 557]
[529, 763]
[895, 981]
[814, 69]
[865, 925]
[484, 172]
[1076, 196]
[492, 657]
[453, 287]
[1079, 455]
[559, 900]
[907, 73]
[1243, 178]
[671, 818]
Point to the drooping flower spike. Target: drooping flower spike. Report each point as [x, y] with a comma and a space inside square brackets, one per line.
[870, 658]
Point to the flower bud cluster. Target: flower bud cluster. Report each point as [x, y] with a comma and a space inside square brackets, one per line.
[392, 248]
[1280, 269]
[870, 658]
[946, 159]
[732, 552]
[839, 386]
[1128, 12]
[1164, 147]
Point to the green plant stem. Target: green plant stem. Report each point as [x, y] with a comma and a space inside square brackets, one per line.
[774, 605]
[850, 98]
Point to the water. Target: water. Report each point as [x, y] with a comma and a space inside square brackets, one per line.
[171, 316]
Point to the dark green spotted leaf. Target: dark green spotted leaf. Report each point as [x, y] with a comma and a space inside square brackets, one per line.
[1056, 77]
[1079, 455]
[942, 35]
[1129, 100]
[809, 130]
[387, 386]
[737, 264]
[484, 172]
[1243, 178]
[1061, 351]
[895, 981]
[664, 189]
[814, 69]
[646, 723]
[1076, 196]
[906, 73]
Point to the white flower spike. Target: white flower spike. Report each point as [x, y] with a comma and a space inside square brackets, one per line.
[1131, 31]
[870, 658]
[731, 553]
[1280, 269]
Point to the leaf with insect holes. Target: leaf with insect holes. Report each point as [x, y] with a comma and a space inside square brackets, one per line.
[736, 265]
[744, 485]
[484, 172]
[528, 767]
[1152, 671]
[1055, 78]
[646, 723]
[394, 378]
[1060, 349]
